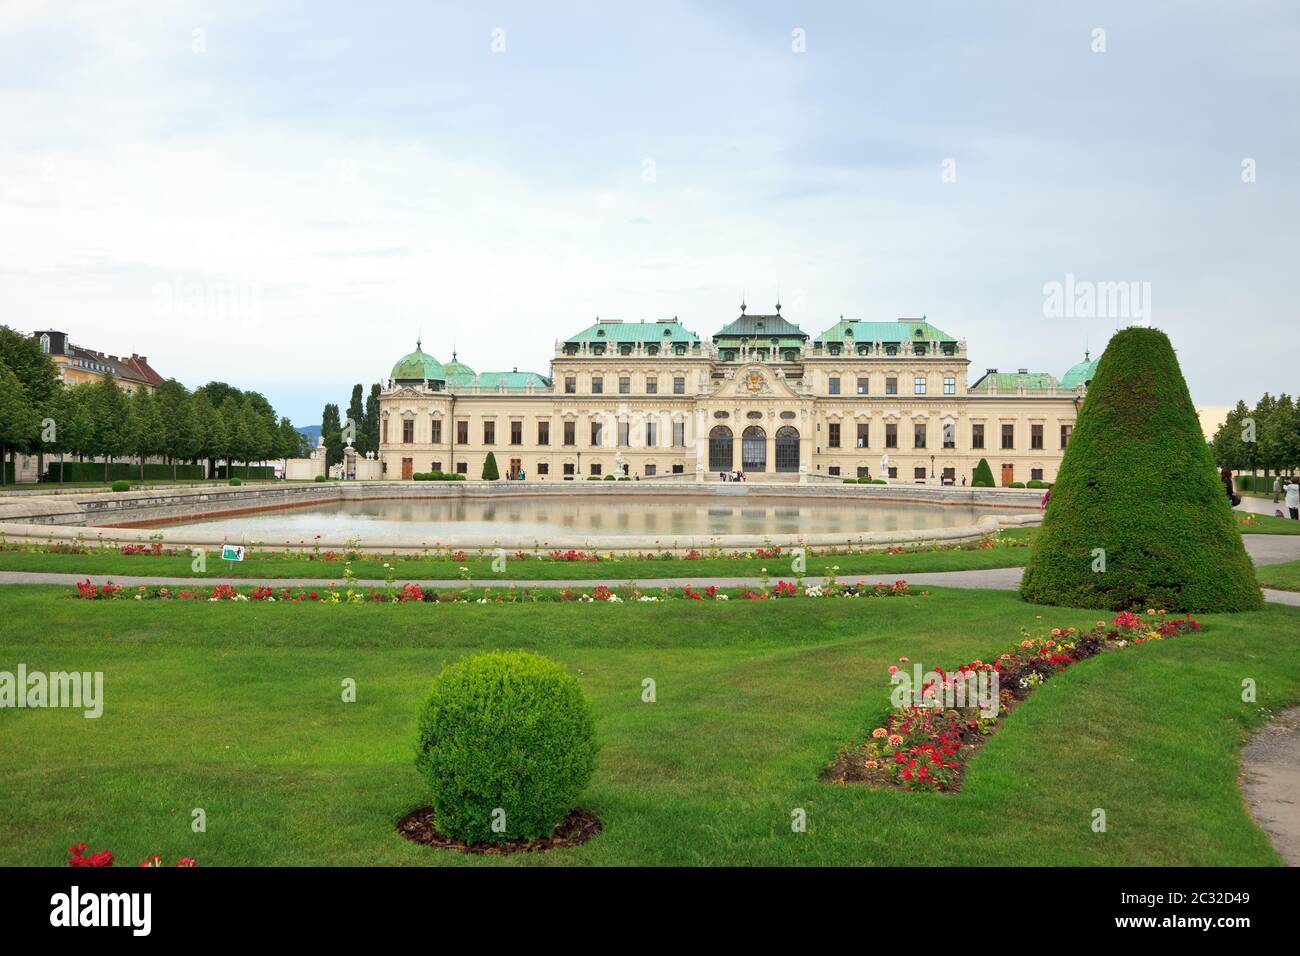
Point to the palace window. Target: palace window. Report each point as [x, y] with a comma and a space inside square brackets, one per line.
[834, 384]
[977, 436]
[679, 349]
[462, 468]
[570, 385]
[863, 471]
[650, 471]
[516, 433]
[1008, 436]
[833, 470]
[891, 386]
[864, 435]
[595, 433]
[408, 431]
[949, 385]
[570, 433]
[918, 385]
[462, 432]
[891, 435]
[435, 466]
[1035, 474]
[624, 384]
[918, 436]
[436, 434]
[919, 473]
[1036, 437]
[623, 430]
[543, 468]
[595, 468]
[679, 434]
[1065, 435]
[650, 436]
[489, 433]
[652, 385]
[833, 430]
[383, 432]
[949, 435]
[679, 385]
[679, 469]
[543, 433]
[864, 386]
[568, 469]
[597, 385]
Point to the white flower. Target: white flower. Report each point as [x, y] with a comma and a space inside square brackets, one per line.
[722, 597]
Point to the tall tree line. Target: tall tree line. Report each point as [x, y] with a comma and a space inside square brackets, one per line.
[41, 416]
[361, 423]
[1266, 436]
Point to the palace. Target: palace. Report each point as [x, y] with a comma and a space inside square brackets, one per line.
[650, 400]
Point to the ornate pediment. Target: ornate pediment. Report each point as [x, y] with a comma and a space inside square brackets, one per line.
[755, 381]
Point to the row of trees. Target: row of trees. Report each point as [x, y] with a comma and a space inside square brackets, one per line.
[1266, 436]
[361, 425]
[39, 415]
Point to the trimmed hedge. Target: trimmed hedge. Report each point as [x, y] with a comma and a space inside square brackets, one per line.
[1035, 483]
[505, 732]
[1170, 540]
[1016, 484]
[436, 476]
[94, 471]
[121, 485]
[255, 472]
[983, 476]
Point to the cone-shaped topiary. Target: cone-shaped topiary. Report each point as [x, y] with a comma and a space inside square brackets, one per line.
[1138, 482]
[490, 468]
[983, 477]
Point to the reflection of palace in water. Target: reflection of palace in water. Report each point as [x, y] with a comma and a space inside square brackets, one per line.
[650, 399]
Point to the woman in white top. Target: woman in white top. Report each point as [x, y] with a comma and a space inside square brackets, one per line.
[1292, 490]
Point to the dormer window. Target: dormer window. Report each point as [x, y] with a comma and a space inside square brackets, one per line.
[45, 343]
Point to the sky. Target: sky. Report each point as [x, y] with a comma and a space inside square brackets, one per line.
[286, 195]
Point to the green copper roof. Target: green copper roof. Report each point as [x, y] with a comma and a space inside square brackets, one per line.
[618, 331]
[1080, 374]
[904, 330]
[511, 381]
[1011, 381]
[762, 328]
[417, 367]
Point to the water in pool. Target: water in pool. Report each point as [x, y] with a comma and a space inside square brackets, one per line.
[549, 516]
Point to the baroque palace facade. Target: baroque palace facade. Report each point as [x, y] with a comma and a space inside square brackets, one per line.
[651, 399]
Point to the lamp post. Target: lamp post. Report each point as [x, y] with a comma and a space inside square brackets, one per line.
[932, 466]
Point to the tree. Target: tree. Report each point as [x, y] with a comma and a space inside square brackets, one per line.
[331, 431]
[19, 421]
[357, 417]
[1228, 441]
[490, 468]
[983, 477]
[146, 426]
[288, 441]
[1138, 517]
[182, 439]
[372, 419]
[110, 417]
[209, 430]
[75, 424]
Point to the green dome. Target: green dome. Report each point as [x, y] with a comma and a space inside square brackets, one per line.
[457, 369]
[1080, 374]
[418, 367]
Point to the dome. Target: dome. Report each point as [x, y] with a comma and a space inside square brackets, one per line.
[457, 369]
[418, 367]
[1080, 374]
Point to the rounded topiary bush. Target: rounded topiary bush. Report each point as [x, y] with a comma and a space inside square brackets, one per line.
[983, 477]
[235, 481]
[505, 732]
[1169, 540]
[121, 485]
[319, 478]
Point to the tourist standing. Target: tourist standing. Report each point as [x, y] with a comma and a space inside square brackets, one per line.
[1293, 498]
[1277, 486]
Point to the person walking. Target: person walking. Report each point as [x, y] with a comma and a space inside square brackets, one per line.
[1225, 475]
[1047, 496]
[1293, 497]
[1277, 486]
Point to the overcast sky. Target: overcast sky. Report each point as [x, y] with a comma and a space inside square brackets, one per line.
[284, 195]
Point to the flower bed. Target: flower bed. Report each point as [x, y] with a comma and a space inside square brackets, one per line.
[412, 593]
[926, 747]
[77, 857]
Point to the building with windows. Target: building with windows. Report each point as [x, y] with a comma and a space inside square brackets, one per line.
[652, 399]
[76, 364]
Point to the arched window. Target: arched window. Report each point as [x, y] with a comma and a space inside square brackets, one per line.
[753, 449]
[787, 448]
[720, 448]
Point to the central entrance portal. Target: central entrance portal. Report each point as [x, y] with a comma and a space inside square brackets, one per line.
[753, 449]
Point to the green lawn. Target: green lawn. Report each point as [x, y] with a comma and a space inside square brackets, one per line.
[1266, 524]
[1285, 576]
[236, 708]
[1007, 551]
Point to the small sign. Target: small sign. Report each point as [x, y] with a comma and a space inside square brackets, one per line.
[232, 552]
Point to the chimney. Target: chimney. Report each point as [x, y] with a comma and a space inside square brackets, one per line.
[1024, 371]
[991, 371]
